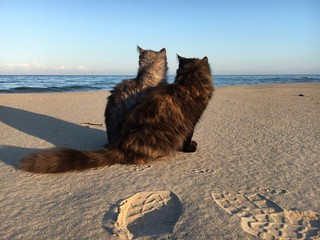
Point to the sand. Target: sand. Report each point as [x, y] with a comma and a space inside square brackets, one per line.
[255, 175]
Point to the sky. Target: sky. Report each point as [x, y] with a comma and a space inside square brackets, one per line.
[100, 37]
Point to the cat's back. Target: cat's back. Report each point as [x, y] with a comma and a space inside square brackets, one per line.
[124, 90]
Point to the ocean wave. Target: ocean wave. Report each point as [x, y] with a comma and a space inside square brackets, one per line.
[74, 88]
[54, 83]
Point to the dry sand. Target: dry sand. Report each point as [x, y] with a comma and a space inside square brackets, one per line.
[256, 173]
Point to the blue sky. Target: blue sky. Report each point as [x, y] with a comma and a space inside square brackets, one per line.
[100, 37]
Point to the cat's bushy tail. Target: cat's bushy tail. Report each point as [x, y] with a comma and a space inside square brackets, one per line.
[65, 159]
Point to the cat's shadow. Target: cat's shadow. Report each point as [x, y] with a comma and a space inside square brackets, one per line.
[58, 132]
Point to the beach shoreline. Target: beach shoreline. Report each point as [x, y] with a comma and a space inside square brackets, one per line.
[85, 83]
[260, 141]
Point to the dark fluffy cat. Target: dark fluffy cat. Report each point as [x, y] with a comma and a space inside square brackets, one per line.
[151, 74]
[162, 123]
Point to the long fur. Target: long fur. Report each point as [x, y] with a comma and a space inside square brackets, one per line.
[162, 123]
[125, 95]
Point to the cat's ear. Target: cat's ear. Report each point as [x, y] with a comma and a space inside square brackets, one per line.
[163, 52]
[139, 49]
[205, 59]
[179, 58]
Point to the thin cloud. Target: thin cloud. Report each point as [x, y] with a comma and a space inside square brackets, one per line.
[37, 68]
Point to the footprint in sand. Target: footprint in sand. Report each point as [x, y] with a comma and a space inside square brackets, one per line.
[201, 170]
[283, 225]
[270, 191]
[245, 204]
[148, 214]
[140, 167]
[265, 219]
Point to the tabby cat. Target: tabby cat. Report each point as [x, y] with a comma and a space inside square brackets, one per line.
[151, 74]
[162, 123]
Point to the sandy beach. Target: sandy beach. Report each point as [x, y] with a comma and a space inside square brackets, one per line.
[255, 174]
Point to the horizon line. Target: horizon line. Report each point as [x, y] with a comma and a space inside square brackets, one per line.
[98, 74]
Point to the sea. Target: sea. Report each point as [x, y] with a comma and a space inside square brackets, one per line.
[82, 83]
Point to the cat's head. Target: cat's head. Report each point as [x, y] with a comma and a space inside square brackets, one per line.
[190, 66]
[148, 58]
